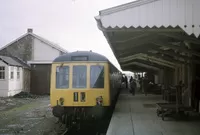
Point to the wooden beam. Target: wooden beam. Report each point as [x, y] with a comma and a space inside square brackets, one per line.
[147, 58]
[132, 50]
[152, 63]
[136, 68]
[123, 38]
[141, 65]
[159, 56]
[183, 57]
[182, 37]
[175, 56]
[170, 53]
[135, 43]
[165, 58]
[176, 48]
[146, 62]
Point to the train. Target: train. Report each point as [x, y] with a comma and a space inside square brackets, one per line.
[84, 84]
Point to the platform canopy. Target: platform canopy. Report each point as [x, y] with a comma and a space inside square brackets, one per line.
[153, 34]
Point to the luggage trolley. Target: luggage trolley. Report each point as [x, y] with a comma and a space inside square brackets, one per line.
[171, 108]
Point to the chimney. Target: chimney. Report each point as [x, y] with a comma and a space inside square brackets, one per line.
[30, 30]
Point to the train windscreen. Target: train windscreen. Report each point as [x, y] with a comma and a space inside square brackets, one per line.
[96, 76]
[62, 77]
[79, 76]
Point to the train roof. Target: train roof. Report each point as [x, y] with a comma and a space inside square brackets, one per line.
[81, 56]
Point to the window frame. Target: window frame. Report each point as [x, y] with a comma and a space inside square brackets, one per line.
[100, 72]
[3, 71]
[86, 73]
[68, 73]
[11, 73]
[18, 73]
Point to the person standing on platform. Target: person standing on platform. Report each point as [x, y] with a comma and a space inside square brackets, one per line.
[122, 81]
[132, 86]
[130, 81]
[196, 93]
[140, 83]
[145, 85]
[126, 81]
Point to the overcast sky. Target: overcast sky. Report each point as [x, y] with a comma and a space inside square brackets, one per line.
[69, 23]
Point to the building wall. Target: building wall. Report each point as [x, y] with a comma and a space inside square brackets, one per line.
[44, 52]
[15, 85]
[31, 49]
[21, 49]
[4, 83]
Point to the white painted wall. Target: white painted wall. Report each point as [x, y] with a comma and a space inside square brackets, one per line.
[15, 85]
[4, 83]
[44, 52]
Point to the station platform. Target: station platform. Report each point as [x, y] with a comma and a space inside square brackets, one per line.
[136, 115]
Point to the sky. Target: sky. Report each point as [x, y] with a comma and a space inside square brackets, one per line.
[69, 23]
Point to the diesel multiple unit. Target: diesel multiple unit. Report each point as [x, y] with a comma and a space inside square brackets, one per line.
[83, 84]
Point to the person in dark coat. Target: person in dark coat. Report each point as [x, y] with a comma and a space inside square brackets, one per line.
[145, 85]
[126, 81]
[122, 81]
[132, 85]
[196, 93]
[140, 82]
[131, 79]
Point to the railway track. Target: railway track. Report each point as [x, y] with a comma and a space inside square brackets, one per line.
[88, 127]
[83, 125]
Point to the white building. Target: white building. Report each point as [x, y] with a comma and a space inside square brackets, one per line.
[39, 53]
[11, 76]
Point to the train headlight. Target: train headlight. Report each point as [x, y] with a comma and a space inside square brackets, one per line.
[99, 100]
[61, 101]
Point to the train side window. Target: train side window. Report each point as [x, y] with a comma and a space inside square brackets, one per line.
[96, 76]
[79, 76]
[62, 77]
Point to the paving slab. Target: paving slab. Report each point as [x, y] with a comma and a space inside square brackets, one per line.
[136, 115]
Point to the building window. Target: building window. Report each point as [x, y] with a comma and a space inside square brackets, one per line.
[79, 76]
[2, 72]
[11, 72]
[62, 77]
[96, 76]
[18, 73]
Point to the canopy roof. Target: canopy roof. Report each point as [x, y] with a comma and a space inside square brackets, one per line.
[153, 33]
